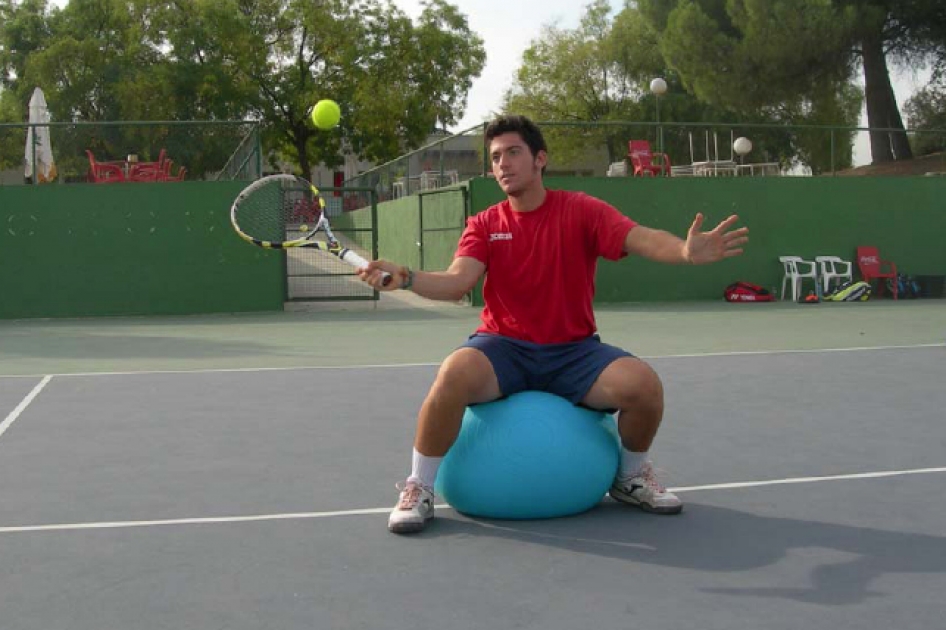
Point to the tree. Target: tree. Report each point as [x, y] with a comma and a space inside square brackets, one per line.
[601, 72]
[766, 53]
[267, 60]
[22, 31]
[394, 81]
[103, 60]
[594, 74]
[927, 110]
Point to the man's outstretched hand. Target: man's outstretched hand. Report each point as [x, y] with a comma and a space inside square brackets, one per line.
[715, 245]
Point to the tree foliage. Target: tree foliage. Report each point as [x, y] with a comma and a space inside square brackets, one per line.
[804, 53]
[267, 60]
[601, 72]
[927, 110]
[589, 74]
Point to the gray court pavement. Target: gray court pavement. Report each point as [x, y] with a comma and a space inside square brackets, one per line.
[258, 498]
[406, 329]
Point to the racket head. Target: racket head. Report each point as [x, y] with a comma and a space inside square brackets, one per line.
[283, 211]
[278, 211]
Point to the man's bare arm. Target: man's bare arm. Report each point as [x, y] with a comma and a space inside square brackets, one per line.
[449, 285]
[699, 247]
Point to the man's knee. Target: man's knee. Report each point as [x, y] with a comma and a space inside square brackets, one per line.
[629, 383]
[468, 372]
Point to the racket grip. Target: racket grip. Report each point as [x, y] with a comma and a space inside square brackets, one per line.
[355, 260]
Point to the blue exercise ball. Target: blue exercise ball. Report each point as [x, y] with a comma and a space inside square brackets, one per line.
[529, 456]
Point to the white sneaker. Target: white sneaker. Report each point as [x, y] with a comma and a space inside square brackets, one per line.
[644, 491]
[414, 508]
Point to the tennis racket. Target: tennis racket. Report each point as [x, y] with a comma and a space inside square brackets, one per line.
[283, 211]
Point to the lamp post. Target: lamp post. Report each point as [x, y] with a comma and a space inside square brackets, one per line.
[742, 146]
[659, 87]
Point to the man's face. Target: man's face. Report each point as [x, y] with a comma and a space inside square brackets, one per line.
[514, 166]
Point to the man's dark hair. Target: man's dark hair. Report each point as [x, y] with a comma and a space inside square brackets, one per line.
[517, 124]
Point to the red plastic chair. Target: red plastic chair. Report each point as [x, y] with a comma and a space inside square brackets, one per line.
[159, 171]
[104, 172]
[168, 177]
[148, 171]
[872, 268]
[645, 162]
[306, 211]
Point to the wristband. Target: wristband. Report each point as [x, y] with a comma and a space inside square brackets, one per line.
[407, 278]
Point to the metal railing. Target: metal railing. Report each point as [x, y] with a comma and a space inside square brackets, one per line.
[441, 163]
[693, 149]
[220, 150]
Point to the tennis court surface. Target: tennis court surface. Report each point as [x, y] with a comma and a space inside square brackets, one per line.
[237, 472]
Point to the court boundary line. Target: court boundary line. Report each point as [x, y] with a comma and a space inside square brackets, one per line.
[19, 409]
[434, 364]
[211, 520]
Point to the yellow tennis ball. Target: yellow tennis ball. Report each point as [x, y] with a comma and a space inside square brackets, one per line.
[326, 114]
[303, 228]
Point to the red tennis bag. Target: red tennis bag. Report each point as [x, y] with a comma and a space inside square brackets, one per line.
[747, 292]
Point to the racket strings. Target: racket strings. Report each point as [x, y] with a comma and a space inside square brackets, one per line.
[279, 211]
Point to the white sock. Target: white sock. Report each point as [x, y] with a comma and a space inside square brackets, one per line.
[424, 469]
[631, 463]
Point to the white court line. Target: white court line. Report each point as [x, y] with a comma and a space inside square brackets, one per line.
[230, 370]
[11, 418]
[371, 366]
[804, 351]
[385, 510]
[777, 482]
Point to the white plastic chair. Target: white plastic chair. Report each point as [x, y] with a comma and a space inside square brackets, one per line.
[796, 271]
[833, 268]
[399, 188]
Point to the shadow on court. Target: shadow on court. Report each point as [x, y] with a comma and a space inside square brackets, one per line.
[715, 539]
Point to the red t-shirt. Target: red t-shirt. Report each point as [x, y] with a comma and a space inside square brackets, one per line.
[540, 265]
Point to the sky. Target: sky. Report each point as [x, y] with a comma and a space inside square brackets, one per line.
[507, 28]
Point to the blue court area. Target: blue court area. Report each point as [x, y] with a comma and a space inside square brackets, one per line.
[151, 476]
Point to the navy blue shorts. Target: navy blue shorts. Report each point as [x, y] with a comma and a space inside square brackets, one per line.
[566, 369]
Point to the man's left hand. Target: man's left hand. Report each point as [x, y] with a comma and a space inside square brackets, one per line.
[715, 245]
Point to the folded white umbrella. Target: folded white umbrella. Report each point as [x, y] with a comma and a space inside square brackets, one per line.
[45, 167]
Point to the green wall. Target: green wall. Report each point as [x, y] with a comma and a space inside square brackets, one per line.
[127, 249]
[443, 220]
[903, 216]
[421, 231]
[397, 231]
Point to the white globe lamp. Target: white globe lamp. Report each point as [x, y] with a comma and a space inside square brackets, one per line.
[658, 86]
[742, 146]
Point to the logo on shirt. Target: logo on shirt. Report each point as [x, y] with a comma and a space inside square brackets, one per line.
[500, 236]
